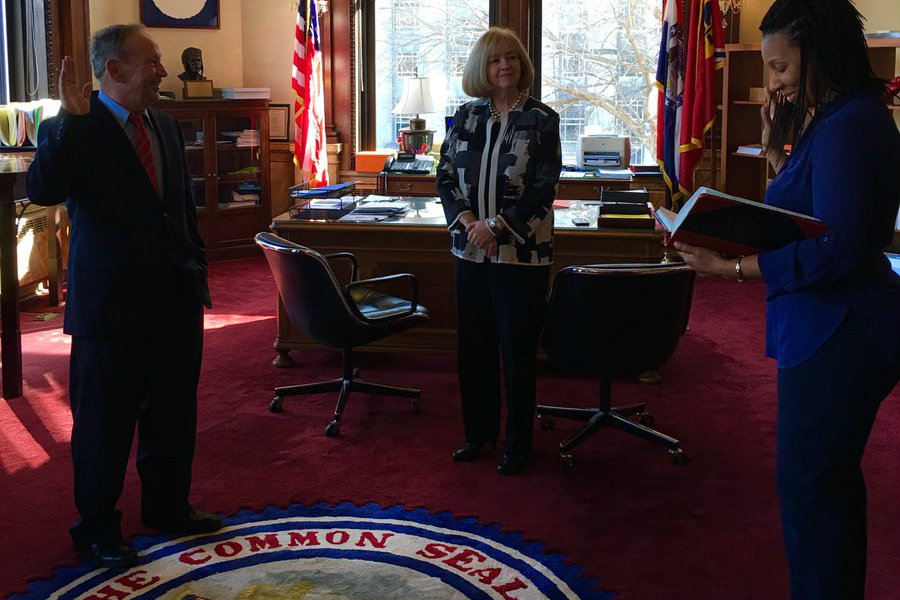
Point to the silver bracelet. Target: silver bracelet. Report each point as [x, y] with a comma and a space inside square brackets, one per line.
[738, 270]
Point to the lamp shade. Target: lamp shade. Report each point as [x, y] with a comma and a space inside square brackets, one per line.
[416, 97]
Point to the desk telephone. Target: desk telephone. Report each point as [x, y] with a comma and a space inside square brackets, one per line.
[408, 164]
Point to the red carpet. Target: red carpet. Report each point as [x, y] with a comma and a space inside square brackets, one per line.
[643, 527]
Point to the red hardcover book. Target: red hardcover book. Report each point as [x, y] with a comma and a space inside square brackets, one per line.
[735, 226]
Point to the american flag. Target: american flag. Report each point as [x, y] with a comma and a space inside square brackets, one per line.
[309, 97]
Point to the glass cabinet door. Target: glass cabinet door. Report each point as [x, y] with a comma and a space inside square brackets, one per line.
[238, 162]
[192, 128]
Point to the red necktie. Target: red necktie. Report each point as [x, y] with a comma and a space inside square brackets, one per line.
[143, 148]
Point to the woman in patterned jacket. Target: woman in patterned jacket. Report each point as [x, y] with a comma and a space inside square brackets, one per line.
[497, 179]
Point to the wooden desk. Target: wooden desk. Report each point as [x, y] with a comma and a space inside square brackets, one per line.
[419, 244]
[13, 166]
[585, 188]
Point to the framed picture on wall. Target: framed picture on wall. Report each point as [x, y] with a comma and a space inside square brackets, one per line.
[195, 14]
[279, 122]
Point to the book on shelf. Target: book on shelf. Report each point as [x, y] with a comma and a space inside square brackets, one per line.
[883, 33]
[750, 150]
[735, 226]
[244, 198]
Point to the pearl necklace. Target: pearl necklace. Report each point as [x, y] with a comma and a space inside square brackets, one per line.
[520, 100]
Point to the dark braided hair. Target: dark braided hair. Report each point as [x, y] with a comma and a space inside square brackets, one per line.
[829, 34]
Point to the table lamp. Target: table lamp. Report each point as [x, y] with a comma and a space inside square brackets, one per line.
[416, 99]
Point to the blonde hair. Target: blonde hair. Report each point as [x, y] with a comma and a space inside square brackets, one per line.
[475, 81]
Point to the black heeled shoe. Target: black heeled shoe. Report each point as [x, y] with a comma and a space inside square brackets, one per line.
[510, 465]
[470, 451]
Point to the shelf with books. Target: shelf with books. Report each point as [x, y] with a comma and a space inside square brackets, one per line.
[744, 74]
[221, 167]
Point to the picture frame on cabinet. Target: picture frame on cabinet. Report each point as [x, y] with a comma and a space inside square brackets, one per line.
[196, 14]
[279, 122]
[198, 88]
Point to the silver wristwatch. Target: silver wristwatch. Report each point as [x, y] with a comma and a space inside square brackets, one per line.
[494, 225]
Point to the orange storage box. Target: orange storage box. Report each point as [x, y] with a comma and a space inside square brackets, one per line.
[372, 161]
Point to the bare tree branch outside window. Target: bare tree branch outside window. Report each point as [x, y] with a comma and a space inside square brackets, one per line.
[598, 64]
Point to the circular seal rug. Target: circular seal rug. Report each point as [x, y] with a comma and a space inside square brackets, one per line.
[325, 552]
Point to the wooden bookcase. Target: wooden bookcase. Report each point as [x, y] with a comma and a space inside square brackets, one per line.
[224, 161]
[748, 176]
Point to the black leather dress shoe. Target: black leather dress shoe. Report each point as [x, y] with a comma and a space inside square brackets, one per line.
[110, 555]
[189, 523]
[510, 465]
[471, 450]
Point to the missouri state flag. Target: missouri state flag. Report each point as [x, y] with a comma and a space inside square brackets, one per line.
[309, 98]
[705, 54]
[670, 82]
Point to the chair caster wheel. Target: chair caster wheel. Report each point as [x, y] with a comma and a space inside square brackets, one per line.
[569, 460]
[275, 405]
[647, 420]
[333, 429]
[679, 457]
[415, 406]
[546, 423]
[355, 373]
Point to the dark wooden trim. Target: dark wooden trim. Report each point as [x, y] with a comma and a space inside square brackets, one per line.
[68, 34]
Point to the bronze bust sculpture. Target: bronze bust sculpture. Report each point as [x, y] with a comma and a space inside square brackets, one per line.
[192, 59]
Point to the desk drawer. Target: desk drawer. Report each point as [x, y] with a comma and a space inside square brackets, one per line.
[409, 186]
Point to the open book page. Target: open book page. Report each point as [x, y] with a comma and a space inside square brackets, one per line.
[666, 218]
[734, 225]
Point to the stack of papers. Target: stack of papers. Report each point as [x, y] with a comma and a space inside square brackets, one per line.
[247, 138]
[387, 206]
[326, 203]
[620, 174]
[246, 93]
[377, 208]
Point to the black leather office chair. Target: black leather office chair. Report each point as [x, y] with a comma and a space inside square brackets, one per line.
[615, 321]
[338, 316]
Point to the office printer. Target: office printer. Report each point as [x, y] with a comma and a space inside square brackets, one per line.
[603, 151]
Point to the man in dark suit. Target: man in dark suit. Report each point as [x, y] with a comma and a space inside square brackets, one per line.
[136, 289]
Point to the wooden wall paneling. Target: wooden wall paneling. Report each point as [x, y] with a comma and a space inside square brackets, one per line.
[68, 34]
[281, 175]
[337, 43]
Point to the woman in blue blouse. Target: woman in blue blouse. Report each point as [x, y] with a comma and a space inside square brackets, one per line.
[497, 179]
[833, 303]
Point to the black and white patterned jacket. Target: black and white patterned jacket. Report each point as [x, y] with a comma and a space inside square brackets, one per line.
[508, 169]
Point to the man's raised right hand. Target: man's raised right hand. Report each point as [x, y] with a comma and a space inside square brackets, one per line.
[75, 98]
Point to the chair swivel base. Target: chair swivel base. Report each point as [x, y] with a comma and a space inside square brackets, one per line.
[344, 385]
[616, 417]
